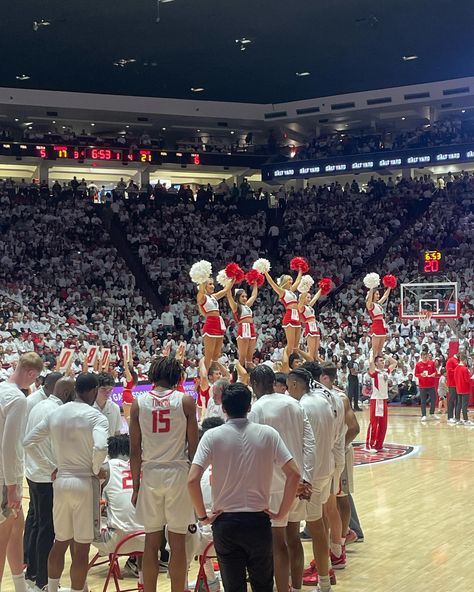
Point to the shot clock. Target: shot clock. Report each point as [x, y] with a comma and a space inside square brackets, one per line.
[431, 262]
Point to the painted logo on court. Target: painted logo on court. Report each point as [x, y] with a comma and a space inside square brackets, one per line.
[389, 453]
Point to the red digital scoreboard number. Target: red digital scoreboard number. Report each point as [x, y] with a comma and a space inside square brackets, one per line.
[431, 262]
[104, 154]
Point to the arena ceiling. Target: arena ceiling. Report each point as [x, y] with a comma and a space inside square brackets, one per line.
[264, 51]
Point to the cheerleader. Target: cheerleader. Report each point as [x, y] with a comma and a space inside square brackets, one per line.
[241, 308]
[130, 379]
[207, 299]
[291, 321]
[374, 305]
[307, 315]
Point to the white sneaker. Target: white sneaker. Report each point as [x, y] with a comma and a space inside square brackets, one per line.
[435, 416]
[451, 421]
[423, 418]
[460, 422]
[468, 422]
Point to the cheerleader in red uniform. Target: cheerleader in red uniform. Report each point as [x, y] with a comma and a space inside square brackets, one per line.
[214, 327]
[246, 336]
[130, 378]
[307, 314]
[285, 289]
[374, 304]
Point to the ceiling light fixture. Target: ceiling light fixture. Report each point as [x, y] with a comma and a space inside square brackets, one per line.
[463, 111]
[409, 58]
[197, 89]
[163, 128]
[301, 74]
[403, 118]
[22, 77]
[92, 124]
[41, 23]
[243, 41]
[122, 62]
[232, 133]
[16, 119]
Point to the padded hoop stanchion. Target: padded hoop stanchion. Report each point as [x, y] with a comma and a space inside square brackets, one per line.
[114, 568]
[201, 576]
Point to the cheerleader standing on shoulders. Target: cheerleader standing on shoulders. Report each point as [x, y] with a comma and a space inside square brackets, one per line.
[307, 314]
[130, 378]
[241, 307]
[374, 305]
[214, 327]
[285, 290]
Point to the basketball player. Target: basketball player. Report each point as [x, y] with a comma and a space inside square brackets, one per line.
[242, 454]
[288, 418]
[318, 405]
[163, 440]
[13, 410]
[346, 482]
[117, 493]
[43, 392]
[378, 402]
[104, 404]
[39, 467]
[78, 435]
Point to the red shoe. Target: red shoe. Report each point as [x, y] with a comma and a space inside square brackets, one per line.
[215, 565]
[351, 536]
[309, 570]
[338, 562]
[311, 579]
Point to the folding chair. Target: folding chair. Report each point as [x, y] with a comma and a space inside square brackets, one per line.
[201, 580]
[114, 567]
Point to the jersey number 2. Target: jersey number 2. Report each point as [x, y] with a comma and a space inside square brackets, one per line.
[127, 481]
[161, 421]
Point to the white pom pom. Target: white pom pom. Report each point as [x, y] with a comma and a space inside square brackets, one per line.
[200, 271]
[306, 284]
[222, 278]
[262, 265]
[372, 280]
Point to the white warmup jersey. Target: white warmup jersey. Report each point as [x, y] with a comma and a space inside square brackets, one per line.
[322, 412]
[78, 434]
[288, 418]
[39, 459]
[206, 488]
[215, 410]
[163, 426]
[35, 398]
[12, 431]
[112, 412]
[118, 493]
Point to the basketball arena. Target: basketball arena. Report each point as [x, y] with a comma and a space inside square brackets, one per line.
[236, 296]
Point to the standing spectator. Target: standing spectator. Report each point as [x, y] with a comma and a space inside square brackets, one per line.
[12, 428]
[462, 380]
[241, 520]
[451, 365]
[442, 391]
[425, 372]
[353, 382]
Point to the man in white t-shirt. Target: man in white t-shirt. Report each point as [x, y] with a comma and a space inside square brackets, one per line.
[283, 413]
[214, 405]
[43, 392]
[163, 439]
[12, 428]
[39, 467]
[242, 455]
[105, 405]
[78, 435]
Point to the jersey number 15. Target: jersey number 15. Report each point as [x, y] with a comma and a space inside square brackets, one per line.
[161, 421]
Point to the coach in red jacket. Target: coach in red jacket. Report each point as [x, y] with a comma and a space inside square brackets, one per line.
[462, 378]
[451, 365]
[425, 371]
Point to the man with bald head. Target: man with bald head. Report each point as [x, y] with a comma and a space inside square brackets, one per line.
[40, 465]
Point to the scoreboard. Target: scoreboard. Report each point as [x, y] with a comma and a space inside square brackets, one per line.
[431, 262]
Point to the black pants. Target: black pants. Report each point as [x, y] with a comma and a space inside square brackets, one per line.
[451, 402]
[353, 393]
[243, 541]
[40, 535]
[425, 394]
[462, 401]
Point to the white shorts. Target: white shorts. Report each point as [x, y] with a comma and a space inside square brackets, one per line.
[73, 509]
[163, 499]
[346, 482]
[111, 538]
[197, 539]
[319, 496]
[296, 514]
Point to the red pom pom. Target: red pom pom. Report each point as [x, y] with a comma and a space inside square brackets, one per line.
[299, 264]
[325, 285]
[235, 272]
[255, 277]
[389, 281]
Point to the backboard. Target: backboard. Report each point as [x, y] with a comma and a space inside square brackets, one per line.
[440, 298]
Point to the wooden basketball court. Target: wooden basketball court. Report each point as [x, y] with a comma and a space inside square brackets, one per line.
[415, 513]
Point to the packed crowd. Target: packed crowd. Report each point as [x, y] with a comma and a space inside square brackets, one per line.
[442, 132]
